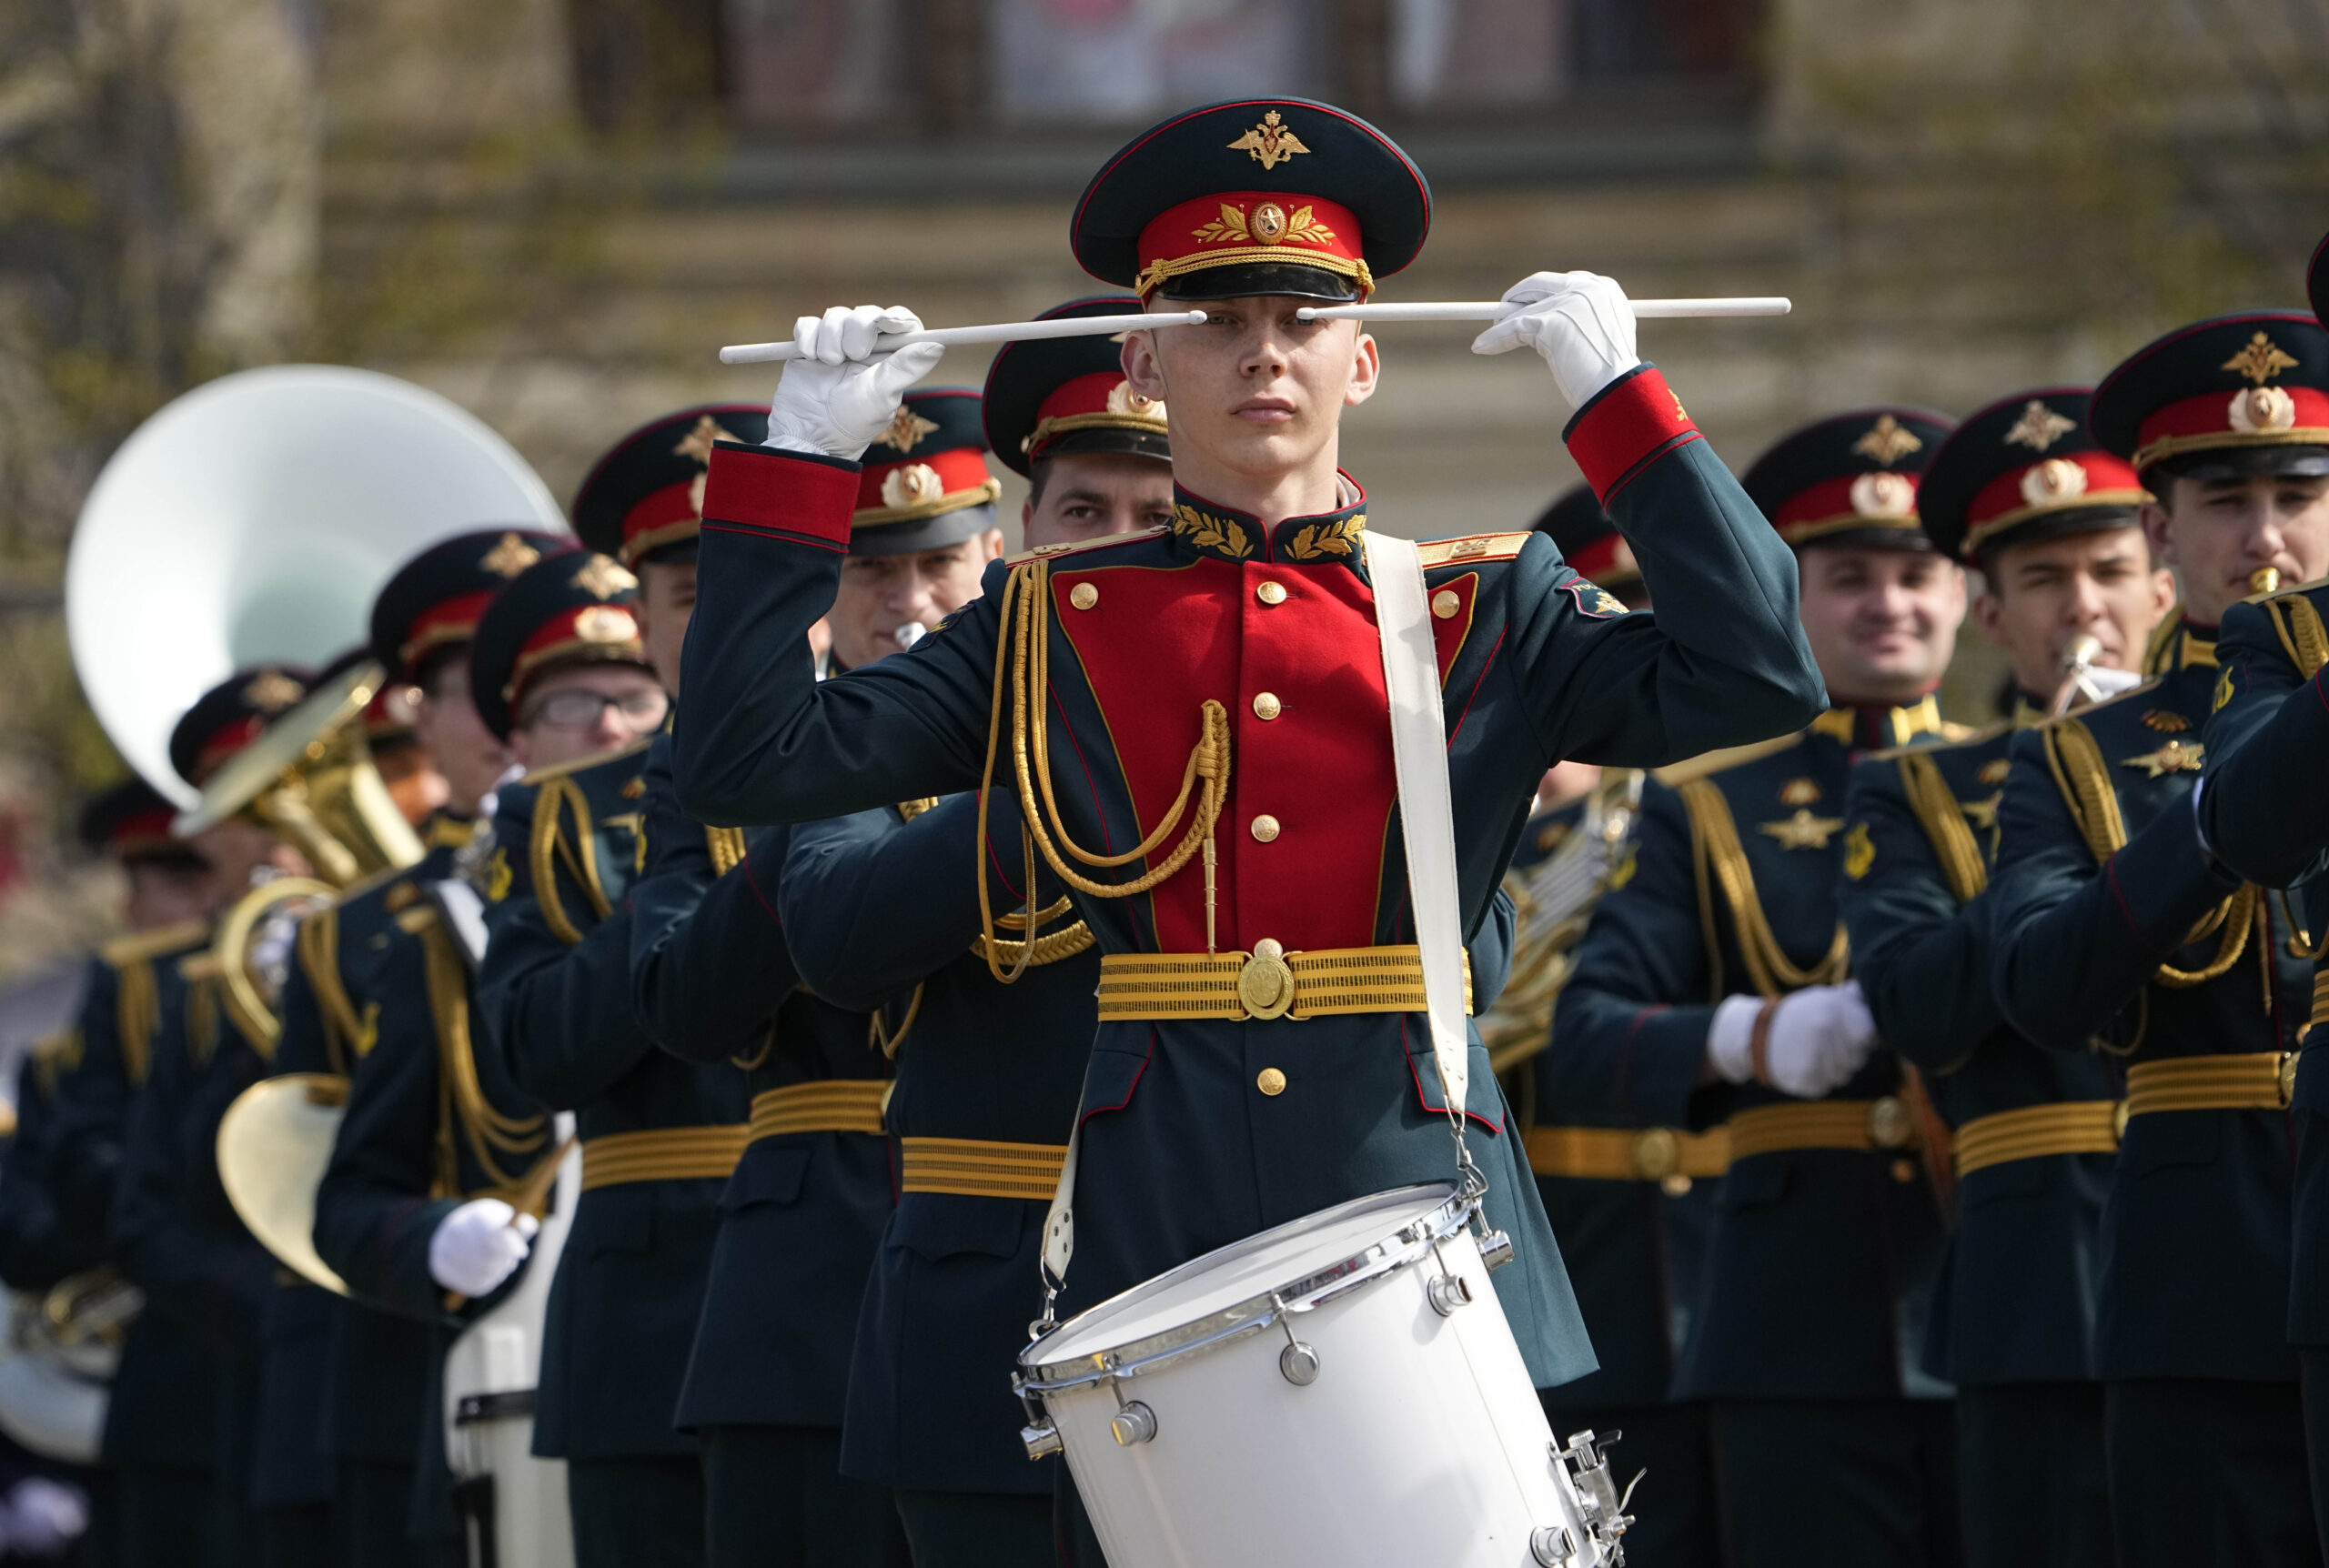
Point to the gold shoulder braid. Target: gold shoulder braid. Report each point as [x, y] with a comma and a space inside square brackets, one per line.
[2085, 783]
[1945, 823]
[347, 1037]
[1050, 946]
[877, 1032]
[727, 846]
[1027, 592]
[1716, 855]
[2300, 633]
[460, 1096]
[137, 1013]
[557, 796]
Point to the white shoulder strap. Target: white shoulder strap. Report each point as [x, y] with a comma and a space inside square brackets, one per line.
[1427, 811]
[1419, 757]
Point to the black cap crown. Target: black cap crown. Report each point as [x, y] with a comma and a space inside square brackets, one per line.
[2222, 399]
[433, 601]
[1050, 397]
[234, 713]
[572, 607]
[2023, 468]
[128, 820]
[645, 496]
[1849, 479]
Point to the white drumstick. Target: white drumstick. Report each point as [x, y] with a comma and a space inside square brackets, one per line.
[1097, 326]
[1497, 309]
[997, 332]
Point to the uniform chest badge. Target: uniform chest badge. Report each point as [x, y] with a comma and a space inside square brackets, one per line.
[1994, 770]
[1982, 814]
[1799, 793]
[1803, 830]
[2175, 756]
[1859, 851]
[2166, 722]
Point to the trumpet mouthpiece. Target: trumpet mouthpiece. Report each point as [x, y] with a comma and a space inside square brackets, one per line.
[914, 631]
[2081, 653]
[2264, 580]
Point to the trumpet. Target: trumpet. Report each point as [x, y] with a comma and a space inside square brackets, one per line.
[2078, 676]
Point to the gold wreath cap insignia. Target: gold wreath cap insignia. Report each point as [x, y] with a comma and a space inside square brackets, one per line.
[272, 691]
[1269, 143]
[2259, 359]
[2039, 427]
[698, 442]
[509, 556]
[1888, 441]
[906, 429]
[602, 578]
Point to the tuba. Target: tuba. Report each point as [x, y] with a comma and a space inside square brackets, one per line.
[253, 518]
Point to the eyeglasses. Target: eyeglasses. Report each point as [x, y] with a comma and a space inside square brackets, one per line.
[576, 710]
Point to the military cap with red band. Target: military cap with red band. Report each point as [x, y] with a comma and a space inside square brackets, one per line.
[645, 496]
[2225, 398]
[1588, 541]
[232, 714]
[569, 607]
[1849, 480]
[2024, 469]
[433, 601]
[129, 821]
[1051, 396]
[1253, 196]
[924, 482]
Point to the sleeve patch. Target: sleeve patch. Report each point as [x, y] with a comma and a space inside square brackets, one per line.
[1593, 600]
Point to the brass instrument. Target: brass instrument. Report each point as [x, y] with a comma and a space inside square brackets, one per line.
[1553, 899]
[2264, 580]
[2078, 676]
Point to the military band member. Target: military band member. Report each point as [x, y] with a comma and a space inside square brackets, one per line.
[885, 903]
[1714, 987]
[716, 981]
[2260, 814]
[2114, 922]
[344, 1388]
[162, 1420]
[1629, 1204]
[659, 1136]
[168, 885]
[1236, 651]
[433, 1190]
[2021, 492]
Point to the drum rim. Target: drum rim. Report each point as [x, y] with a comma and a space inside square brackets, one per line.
[1401, 1248]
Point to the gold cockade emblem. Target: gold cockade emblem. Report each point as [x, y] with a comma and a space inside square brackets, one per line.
[2039, 426]
[912, 485]
[2259, 359]
[2175, 756]
[906, 429]
[2052, 482]
[1267, 225]
[1884, 495]
[605, 623]
[2261, 411]
[272, 691]
[1123, 399]
[1269, 143]
[1888, 441]
[509, 556]
[1803, 830]
[602, 578]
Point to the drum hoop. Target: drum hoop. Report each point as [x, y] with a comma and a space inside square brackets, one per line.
[1404, 1248]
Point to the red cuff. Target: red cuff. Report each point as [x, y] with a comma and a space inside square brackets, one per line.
[1628, 422]
[754, 490]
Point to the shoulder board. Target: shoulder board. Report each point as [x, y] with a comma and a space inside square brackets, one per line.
[139, 946]
[1474, 547]
[1078, 548]
[2292, 590]
[1958, 735]
[1675, 775]
[583, 764]
[418, 918]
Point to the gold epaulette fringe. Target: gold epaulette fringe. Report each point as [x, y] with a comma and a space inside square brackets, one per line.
[1717, 857]
[1929, 797]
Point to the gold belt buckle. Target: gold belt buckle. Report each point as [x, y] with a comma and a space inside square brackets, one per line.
[1266, 985]
[1658, 1154]
[1890, 1125]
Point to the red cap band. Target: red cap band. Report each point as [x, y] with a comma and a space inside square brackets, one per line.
[2251, 416]
[1236, 228]
[2092, 478]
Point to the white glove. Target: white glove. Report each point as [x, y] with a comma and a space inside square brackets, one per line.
[44, 1517]
[1820, 1036]
[837, 397]
[479, 1245]
[1579, 321]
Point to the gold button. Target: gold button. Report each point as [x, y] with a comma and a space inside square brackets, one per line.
[1904, 1171]
[1676, 1186]
[1266, 705]
[1084, 595]
[1265, 828]
[1271, 593]
[1270, 1081]
[1444, 604]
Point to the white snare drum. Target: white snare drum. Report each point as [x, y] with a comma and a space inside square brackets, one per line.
[1344, 1391]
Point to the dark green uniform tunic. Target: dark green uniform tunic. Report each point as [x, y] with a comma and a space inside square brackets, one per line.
[162, 1416]
[714, 981]
[416, 1143]
[2112, 922]
[1185, 1150]
[555, 994]
[2013, 1315]
[1820, 1263]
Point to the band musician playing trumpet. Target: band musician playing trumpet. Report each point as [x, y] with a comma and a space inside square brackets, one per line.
[1210, 771]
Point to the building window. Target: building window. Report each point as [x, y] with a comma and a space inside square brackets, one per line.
[1128, 62]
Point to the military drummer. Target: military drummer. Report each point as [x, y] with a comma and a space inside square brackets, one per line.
[1237, 650]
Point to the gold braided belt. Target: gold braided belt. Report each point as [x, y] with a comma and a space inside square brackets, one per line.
[1627, 1154]
[2253, 1080]
[977, 1168]
[834, 1105]
[2320, 999]
[662, 1154]
[2032, 1131]
[1268, 982]
[1854, 1124]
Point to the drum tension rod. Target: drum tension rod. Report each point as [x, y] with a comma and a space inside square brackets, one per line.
[1448, 1289]
[1134, 1421]
[1299, 1363]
